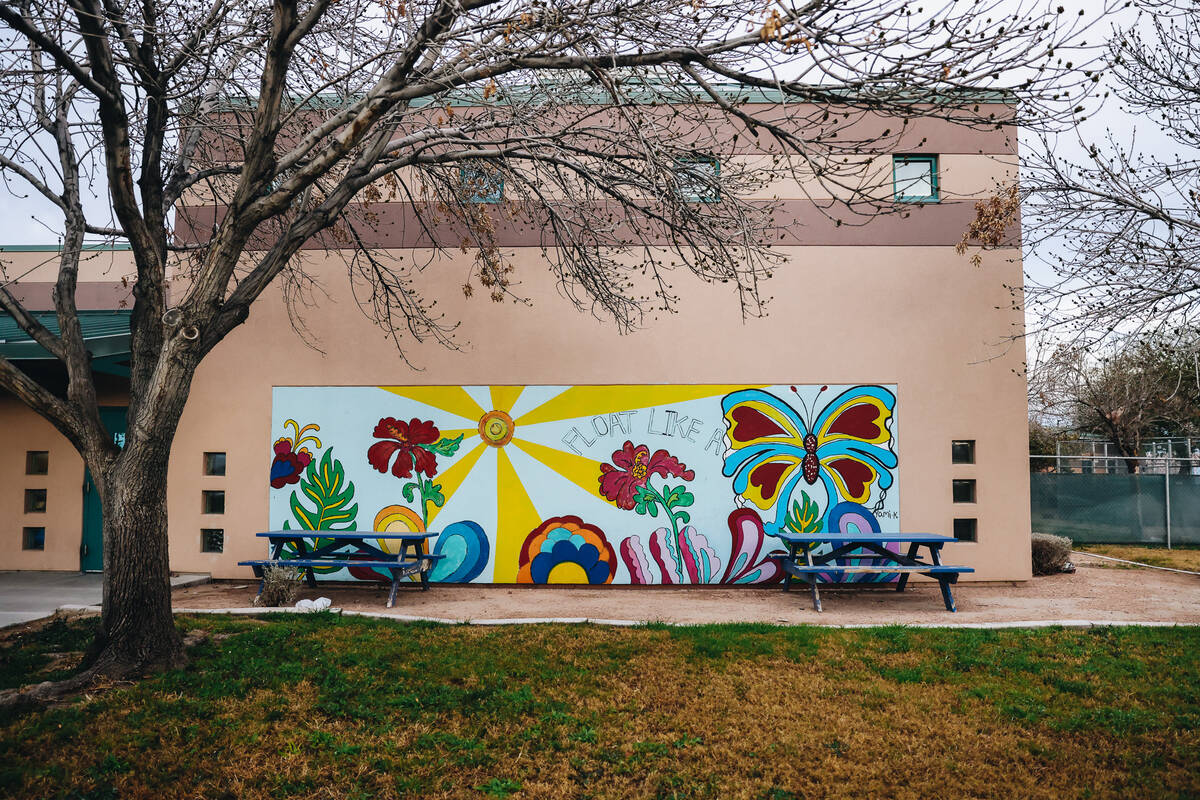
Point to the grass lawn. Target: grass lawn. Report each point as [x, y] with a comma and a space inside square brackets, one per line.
[1181, 557]
[321, 706]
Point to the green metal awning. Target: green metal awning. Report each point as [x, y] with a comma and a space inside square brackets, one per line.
[105, 333]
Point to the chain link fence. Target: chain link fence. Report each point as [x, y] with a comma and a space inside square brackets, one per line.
[1098, 500]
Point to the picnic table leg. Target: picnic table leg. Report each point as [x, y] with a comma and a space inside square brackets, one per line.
[395, 584]
[787, 576]
[935, 555]
[912, 554]
[258, 573]
[302, 551]
[947, 597]
[812, 579]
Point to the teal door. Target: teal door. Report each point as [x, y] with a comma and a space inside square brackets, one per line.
[91, 550]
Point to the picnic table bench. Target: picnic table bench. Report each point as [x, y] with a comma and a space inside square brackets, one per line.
[800, 563]
[349, 549]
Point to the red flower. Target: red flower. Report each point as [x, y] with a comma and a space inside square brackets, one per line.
[637, 465]
[404, 440]
[287, 466]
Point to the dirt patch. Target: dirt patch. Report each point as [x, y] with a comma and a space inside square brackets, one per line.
[1134, 595]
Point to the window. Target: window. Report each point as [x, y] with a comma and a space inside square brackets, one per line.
[964, 491]
[212, 540]
[481, 184]
[214, 463]
[966, 530]
[35, 501]
[212, 502]
[33, 538]
[37, 462]
[696, 179]
[962, 451]
[915, 179]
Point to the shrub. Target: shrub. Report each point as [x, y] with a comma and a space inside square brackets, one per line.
[1050, 553]
[280, 585]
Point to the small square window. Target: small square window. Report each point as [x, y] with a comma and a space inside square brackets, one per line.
[964, 491]
[33, 538]
[212, 540]
[696, 179]
[37, 462]
[966, 530]
[480, 184]
[35, 501]
[915, 179]
[214, 463]
[962, 451]
[212, 502]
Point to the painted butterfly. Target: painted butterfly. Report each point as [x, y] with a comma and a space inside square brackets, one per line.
[848, 448]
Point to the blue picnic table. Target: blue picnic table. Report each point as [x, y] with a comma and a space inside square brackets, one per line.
[349, 549]
[870, 554]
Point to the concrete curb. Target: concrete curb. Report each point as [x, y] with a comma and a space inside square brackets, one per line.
[1075, 624]
[190, 579]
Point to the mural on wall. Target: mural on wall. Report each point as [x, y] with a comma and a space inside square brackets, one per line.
[641, 484]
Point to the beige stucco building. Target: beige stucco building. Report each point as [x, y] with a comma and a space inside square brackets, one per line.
[884, 313]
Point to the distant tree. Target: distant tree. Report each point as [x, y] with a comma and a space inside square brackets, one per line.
[1137, 388]
[296, 113]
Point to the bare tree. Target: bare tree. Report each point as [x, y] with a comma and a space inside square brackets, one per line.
[1120, 222]
[1137, 387]
[298, 116]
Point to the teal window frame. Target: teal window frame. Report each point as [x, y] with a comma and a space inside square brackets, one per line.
[932, 161]
[494, 181]
[682, 166]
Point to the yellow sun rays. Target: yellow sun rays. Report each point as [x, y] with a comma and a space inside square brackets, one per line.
[516, 514]
[590, 401]
[517, 517]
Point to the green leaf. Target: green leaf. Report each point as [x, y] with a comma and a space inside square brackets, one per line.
[683, 517]
[646, 500]
[408, 490]
[324, 485]
[679, 497]
[434, 494]
[445, 447]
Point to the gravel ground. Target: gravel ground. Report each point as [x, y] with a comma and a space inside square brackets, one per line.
[1096, 594]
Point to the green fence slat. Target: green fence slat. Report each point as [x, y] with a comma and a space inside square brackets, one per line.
[1115, 509]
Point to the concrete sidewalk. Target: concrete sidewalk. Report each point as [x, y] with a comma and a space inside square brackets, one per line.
[26, 596]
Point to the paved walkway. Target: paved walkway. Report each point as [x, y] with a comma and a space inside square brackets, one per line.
[26, 596]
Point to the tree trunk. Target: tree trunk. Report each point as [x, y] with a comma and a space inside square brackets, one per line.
[138, 631]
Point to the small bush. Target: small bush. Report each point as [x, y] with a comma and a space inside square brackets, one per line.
[1050, 553]
[280, 586]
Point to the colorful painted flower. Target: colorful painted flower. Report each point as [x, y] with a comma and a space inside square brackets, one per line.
[291, 457]
[636, 465]
[697, 561]
[748, 561]
[566, 550]
[407, 442]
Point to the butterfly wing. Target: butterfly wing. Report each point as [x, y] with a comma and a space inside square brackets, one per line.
[766, 438]
[854, 441]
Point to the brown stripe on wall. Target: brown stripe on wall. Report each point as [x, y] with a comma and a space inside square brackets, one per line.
[704, 125]
[89, 295]
[797, 222]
